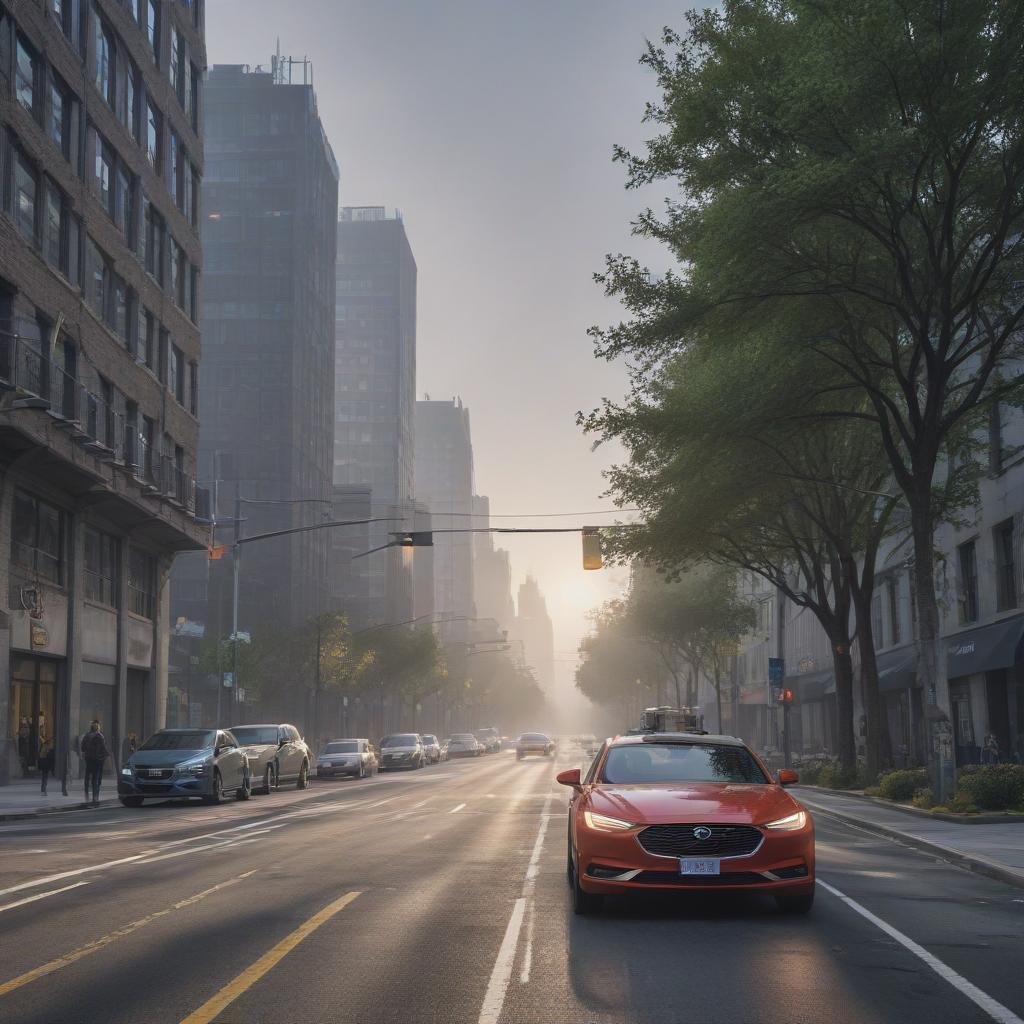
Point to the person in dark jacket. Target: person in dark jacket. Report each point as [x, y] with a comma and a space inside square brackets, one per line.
[94, 753]
[45, 757]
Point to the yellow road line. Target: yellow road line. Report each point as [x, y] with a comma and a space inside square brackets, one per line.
[230, 992]
[98, 944]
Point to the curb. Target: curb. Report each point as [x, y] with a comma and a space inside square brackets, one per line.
[43, 812]
[968, 861]
[983, 818]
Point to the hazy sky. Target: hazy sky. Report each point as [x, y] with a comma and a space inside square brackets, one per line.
[489, 124]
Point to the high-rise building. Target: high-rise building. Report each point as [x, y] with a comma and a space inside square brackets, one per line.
[266, 401]
[492, 571]
[444, 482]
[534, 630]
[101, 156]
[375, 393]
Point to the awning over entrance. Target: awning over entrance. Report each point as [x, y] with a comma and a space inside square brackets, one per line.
[896, 669]
[812, 685]
[983, 649]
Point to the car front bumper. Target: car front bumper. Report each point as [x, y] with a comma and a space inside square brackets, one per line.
[615, 863]
[163, 789]
[335, 770]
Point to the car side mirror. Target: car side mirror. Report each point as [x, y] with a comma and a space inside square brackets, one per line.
[788, 777]
[570, 777]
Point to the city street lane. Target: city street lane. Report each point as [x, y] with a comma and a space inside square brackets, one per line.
[440, 896]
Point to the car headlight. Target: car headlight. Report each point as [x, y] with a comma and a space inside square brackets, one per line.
[790, 823]
[191, 768]
[126, 770]
[603, 823]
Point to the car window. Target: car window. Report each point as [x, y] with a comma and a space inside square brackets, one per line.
[255, 734]
[191, 740]
[294, 734]
[535, 737]
[347, 747]
[401, 740]
[638, 763]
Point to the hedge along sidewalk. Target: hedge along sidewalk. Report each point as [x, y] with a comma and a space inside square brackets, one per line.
[995, 850]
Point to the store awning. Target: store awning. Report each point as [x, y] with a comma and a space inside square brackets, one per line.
[983, 649]
[896, 669]
[812, 685]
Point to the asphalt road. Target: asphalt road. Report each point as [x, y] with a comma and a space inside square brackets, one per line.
[439, 896]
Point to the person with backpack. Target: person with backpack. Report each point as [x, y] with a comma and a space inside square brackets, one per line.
[94, 753]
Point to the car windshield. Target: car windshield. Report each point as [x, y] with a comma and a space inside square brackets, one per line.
[197, 740]
[533, 737]
[429, 739]
[404, 740]
[461, 737]
[253, 734]
[347, 747]
[642, 763]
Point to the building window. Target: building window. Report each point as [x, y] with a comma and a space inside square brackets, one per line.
[193, 97]
[105, 51]
[131, 101]
[176, 376]
[37, 537]
[892, 587]
[178, 68]
[1006, 569]
[174, 166]
[149, 15]
[967, 558]
[53, 227]
[154, 243]
[179, 275]
[120, 310]
[141, 582]
[100, 567]
[125, 202]
[147, 339]
[105, 175]
[193, 388]
[63, 115]
[26, 77]
[154, 128]
[25, 189]
[97, 279]
[161, 356]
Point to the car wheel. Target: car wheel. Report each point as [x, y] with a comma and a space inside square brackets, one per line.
[217, 793]
[303, 780]
[583, 903]
[795, 904]
[132, 801]
[268, 779]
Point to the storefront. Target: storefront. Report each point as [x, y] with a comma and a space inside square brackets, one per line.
[813, 716]
[903, 736]
[35, 700]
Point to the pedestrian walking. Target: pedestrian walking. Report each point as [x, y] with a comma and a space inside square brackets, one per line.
[128, 747]
[45, 758]
[24, 732]
[94, 753]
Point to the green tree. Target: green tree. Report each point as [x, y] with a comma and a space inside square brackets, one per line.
[869, 157]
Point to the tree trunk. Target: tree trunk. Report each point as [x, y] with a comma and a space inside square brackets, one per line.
[869, 685]
[931, 667]
[718, 701]
[845, 746]
[691, 688]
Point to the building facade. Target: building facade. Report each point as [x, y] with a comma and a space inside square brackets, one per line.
[101, 156]
[266, 398]
[492, 571]
[444, 482]
[375, 394]
[534, 631]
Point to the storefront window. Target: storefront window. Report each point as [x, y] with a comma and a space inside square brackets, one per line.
[141, 582]
[33, 706]
[37, 537]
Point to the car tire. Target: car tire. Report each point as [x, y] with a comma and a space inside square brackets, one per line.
[268, 779]
[245, 790]
[217, 794]
[583, 903]
[795, 904]
[302, 782]
[131, 801]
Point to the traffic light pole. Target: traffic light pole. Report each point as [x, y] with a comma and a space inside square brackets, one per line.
[786, 756]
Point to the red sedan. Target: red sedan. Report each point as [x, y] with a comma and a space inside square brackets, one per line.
[683, 811]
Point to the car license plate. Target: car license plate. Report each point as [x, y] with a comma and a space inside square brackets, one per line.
[699, 866]
[154, 773]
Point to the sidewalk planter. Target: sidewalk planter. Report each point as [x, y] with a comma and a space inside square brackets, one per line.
[992, 787]
[902, 785]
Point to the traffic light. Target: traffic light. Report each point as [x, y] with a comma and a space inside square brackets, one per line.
[415, 539]
[785, 696]
[592, 548]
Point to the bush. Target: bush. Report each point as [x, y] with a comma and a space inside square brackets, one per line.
[995, 787]
[923, 798]
[901, 785]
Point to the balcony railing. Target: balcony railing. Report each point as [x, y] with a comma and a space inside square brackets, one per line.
[94, 422]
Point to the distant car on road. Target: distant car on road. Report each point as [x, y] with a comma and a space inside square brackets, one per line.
[356, 758]
[402, 750]
[534, 743]
[277, 754]
[176, 763]
[464, 744]
[432, 748]
[490, 738]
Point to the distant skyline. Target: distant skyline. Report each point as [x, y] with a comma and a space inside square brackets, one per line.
[490, 126]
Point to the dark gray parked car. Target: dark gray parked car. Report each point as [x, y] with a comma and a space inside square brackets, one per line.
[347, 757]
[402, 750]
[432, 748]
[277, 754]
[176, 763]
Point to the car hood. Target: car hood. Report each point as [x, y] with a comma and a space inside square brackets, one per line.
[739, 803]
[167, 758]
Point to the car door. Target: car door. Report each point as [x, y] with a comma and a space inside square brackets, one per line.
[230, 761]
[285, 754]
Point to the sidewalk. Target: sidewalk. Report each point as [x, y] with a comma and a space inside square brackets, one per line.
[996, 851]
[22, 798]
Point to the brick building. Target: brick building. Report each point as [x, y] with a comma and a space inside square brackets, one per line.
[100, 165]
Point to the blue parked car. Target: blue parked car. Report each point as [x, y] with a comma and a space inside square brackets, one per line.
[176, 763]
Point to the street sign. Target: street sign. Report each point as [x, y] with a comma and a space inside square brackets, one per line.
[776, 671]
[229, 678]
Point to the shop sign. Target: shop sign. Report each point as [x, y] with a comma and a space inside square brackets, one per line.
[40, 637]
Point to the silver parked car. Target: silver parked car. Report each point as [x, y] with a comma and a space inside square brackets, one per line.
[464, 744]
[176, 763]
[277, 754]
[432, 748]
[347, 757]
[402, 750]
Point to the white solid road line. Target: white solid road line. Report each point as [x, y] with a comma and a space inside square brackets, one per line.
[39, 896]
[501, 975]
[983, 1000]
[456, 808]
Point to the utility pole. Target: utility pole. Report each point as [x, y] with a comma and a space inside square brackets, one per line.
[236, 565]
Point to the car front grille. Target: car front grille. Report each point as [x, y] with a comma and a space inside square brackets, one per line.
[680, 840]
[157, 787]
[146, 774]
[698, 881]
